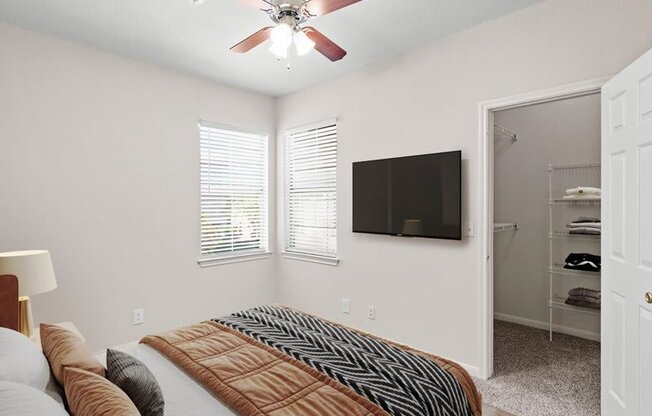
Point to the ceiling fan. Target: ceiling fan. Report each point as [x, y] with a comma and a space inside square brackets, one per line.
[289, 17]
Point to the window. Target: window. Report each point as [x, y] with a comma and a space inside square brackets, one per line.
[233, 192]
[311, 203]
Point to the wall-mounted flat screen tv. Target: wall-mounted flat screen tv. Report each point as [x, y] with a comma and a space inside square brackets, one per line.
[413, 196]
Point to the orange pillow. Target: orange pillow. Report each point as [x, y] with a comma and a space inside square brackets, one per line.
[65, 349]
[91, 395]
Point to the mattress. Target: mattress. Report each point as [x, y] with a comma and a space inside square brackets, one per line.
[183, 395]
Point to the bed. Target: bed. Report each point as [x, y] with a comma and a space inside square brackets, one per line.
[183, 395]
[277, 361]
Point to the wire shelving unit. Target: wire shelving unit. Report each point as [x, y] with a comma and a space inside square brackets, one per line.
[562, 211]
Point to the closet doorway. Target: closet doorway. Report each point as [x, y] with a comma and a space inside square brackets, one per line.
[546, 258]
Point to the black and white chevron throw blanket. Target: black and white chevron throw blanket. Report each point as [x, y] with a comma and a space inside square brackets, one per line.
[400, 382]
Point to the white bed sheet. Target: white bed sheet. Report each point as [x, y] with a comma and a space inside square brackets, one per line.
[182, 394]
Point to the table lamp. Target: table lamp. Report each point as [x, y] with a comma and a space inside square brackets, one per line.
[35, 275]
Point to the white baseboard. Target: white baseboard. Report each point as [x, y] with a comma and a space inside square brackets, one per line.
[471, 369]
[544, 325]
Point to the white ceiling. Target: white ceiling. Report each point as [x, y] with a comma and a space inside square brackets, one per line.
[196, 38]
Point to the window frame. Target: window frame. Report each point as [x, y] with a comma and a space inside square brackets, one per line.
[229, 257]
[289, 252]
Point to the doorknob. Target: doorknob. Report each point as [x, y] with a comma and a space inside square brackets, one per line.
[648, 297]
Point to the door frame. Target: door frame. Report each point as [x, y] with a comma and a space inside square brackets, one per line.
[486, 189]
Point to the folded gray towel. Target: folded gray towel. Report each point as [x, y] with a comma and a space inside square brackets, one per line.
[585, 230]
[587, 299]
[582, 303]
[584, 292]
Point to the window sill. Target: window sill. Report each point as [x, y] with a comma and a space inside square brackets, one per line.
[312, 258]
[232, 258]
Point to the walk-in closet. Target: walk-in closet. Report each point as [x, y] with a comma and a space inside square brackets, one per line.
[547, 238]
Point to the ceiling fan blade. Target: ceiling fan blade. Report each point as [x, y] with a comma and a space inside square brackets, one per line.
[325, 46]
[252, 41]
[322, 7]
[257, 4]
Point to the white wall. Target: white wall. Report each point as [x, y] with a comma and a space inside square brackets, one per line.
[427, 292]
[559, 132]
[99, 162]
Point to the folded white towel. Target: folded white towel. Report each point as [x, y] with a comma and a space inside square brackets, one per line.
[596, 225]
[584, 190]
[583, 196]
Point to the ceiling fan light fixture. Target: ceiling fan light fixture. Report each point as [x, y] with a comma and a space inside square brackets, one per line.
[282, 35]
[303, 43]
[278, 50]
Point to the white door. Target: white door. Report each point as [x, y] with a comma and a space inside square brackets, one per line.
[627, 241]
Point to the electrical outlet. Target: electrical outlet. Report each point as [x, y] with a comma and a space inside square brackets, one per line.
[139, 316]
[346, 306]
[371, 312]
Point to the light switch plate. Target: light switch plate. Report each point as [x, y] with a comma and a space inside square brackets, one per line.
[346, 306]
[469, 229]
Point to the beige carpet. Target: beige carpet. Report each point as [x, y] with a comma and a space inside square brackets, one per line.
[535, 377]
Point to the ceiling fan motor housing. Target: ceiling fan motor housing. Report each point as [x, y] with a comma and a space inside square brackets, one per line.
[291, 14]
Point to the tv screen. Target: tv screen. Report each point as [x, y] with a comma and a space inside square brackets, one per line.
[415, 196]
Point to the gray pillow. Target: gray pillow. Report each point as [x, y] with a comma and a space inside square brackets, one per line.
[135, 379]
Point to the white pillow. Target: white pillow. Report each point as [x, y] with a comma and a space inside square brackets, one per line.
[22, 400]
[21, 360]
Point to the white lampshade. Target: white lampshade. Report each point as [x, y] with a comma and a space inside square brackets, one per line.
[303, 43]
[279, 51]
[33, 269]
[282, 35]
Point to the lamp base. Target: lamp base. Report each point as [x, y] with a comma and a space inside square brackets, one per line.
[25, 323]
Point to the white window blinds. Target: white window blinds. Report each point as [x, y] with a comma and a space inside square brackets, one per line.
[311, 206]
[233, 191]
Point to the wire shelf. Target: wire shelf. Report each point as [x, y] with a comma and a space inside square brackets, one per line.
[559, 269]
[504, 226]
[564, 306]
[563, 235]
[575, 166]
[502, 132]
[567, 201]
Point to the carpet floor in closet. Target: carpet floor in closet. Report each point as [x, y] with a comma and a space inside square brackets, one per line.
[536, 377]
